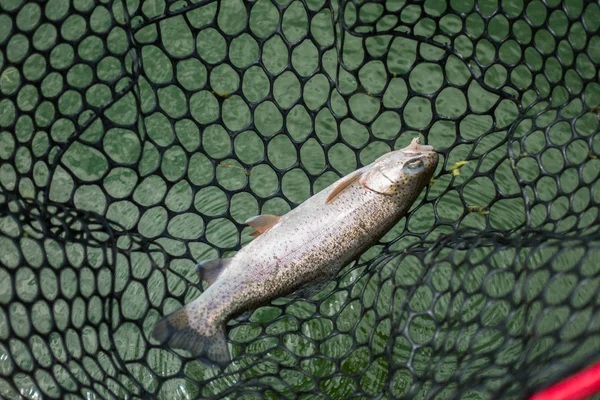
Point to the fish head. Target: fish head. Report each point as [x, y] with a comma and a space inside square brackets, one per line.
[401, 172]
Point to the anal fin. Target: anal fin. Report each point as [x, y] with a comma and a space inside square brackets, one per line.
[343, 184]
[262, 223]
[210, 270]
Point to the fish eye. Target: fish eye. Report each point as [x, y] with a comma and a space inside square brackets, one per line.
[414, 167]
[415, 164]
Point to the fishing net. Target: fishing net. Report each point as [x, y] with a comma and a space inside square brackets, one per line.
[136, 138]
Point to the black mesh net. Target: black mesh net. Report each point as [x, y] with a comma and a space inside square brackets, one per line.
[137, 137]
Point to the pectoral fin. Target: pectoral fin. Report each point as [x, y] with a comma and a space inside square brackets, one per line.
[210, 270]
[262, 223]
[343, 184]
[317, 285]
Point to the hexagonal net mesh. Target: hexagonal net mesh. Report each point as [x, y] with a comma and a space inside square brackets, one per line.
[136, 137]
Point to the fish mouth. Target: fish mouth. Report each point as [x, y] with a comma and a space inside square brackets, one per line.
[415, 147]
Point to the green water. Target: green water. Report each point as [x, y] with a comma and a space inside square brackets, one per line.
[210, 182]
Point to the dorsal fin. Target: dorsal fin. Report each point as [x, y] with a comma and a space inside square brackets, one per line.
[343, 184]
[262, 223]
[210, 270]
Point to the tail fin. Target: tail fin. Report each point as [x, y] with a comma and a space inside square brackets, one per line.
[207, 343]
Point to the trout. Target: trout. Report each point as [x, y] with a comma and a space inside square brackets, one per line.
[301, 251]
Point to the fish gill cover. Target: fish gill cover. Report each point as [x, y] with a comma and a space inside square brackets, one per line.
[136, 138]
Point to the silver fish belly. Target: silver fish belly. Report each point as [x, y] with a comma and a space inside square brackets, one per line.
[305, 247]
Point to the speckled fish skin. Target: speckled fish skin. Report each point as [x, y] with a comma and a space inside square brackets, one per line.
[311, 243]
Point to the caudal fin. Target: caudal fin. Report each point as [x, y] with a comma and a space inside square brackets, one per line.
[207, 343]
